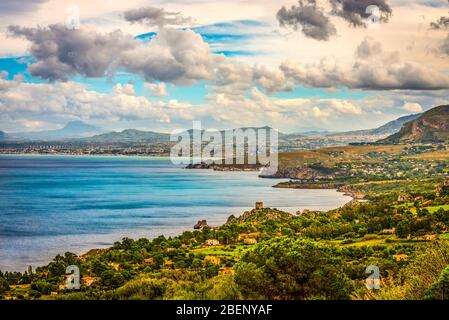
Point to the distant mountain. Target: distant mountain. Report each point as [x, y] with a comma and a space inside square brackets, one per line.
[316, 133]
[431, 126]
[395, 125]
[138, 137]
[309, 134]
[385, 130]
[129, 136]
[73, 129]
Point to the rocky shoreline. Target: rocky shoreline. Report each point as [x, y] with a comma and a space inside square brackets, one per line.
[225, 167]
[306, 174]
[340, 187]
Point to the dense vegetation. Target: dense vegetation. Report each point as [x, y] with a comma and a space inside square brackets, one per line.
[268, 254]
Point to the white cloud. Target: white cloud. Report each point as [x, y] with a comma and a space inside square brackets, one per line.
[178, 56]
[18, 100]
[127, 89]
[33, 125]
[153, 16]
[373, 69]
[182, 57]
[157, 89]
[412, 107]
[24, 104]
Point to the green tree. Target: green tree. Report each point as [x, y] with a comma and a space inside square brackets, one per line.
[4, 286]
[222, 287]
[287, 268]
[403, 229]
[440, 289]
[112, 279]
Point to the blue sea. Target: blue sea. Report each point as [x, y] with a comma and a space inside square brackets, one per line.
[53, 204]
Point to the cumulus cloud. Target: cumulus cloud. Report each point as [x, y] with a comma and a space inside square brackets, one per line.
[18, 7]
[157, 17]
[74, 100]
[126, 89]
[61, 53]
[368, 49]
[234, 79]
[157, 89]
[315, 21]
[309, 18]
[33, 125]
[442, 23]
[373, 69]
[24, 103]
[271, 79]
[412, 107]
[258, 109]
[179, 56]
[444, 46]
[355, 11]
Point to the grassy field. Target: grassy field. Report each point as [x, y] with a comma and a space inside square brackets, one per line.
[436, 155]
[444, 236]
[431, 209]
[436, 208]
[331, 155]
[220, 250]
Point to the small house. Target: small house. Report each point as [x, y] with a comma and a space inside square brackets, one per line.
[212, 242]
[88, 281]
[400, 257]
[249, 241]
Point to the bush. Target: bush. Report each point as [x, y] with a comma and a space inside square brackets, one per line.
[370, 236]
[291, 269]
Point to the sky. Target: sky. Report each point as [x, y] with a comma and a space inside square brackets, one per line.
[334, 65]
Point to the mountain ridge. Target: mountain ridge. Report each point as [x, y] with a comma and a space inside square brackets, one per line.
[78, 132]
[386, 129]
[73, 129]
[431, 127]
[128, 136]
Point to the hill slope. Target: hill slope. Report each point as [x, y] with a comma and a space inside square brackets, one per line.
[395, 125]
[137, 137]
[385, 130]
[129, 136]
[73, 129]
[431, 126]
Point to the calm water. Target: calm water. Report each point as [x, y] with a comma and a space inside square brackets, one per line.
[53, 204]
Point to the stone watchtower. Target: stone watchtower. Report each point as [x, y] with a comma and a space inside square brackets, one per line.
[259, 205]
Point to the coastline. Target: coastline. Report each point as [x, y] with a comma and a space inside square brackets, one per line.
[339, 187]
[139, 234]
[176, 224]
[86, 155]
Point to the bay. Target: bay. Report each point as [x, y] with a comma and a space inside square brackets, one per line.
[53, 204]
